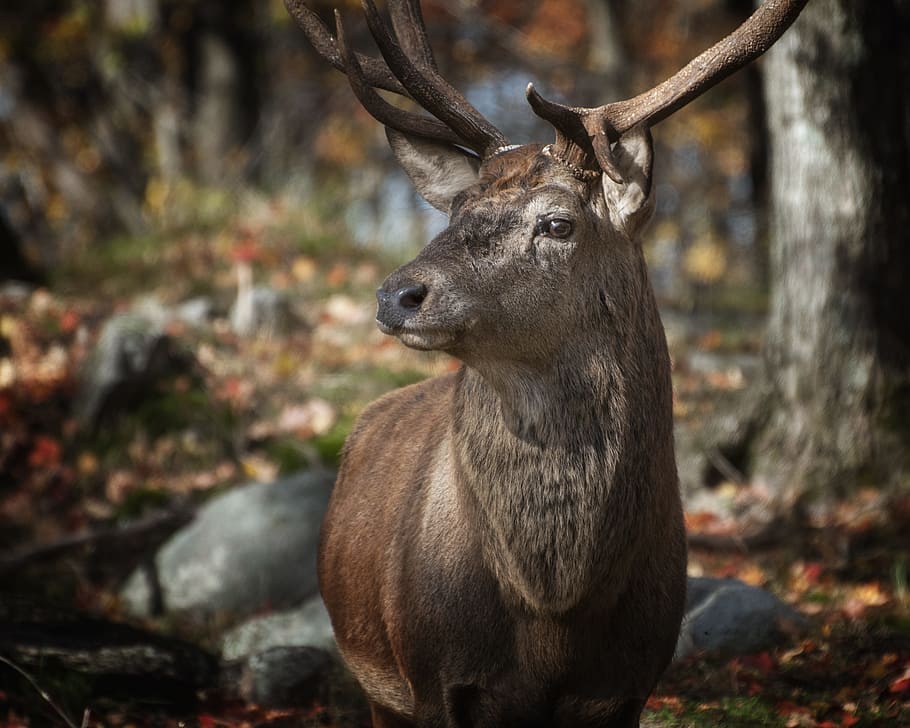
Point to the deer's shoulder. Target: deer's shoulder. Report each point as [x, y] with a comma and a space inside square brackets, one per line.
[404, 415]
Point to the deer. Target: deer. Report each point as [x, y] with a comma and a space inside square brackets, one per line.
[505, 545]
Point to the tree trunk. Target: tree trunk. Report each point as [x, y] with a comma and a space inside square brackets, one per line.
[837, 87]
[226, 103]
[14, 265]
[605, 54]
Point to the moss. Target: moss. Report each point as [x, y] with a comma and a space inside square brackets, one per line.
[136, 502]
[289, 455]
[396, 379]
[896, 623]
[118, 266]
[746, 712]
[329, 445]
[818, 597]
[200, 427]
[741, 712]
[172, 410]
[70, 691]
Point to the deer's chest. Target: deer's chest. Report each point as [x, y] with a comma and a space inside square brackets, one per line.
[540, 519]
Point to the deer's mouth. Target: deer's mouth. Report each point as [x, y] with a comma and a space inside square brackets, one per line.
[419, 337]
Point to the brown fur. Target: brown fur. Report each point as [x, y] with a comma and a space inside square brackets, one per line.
[504, 546]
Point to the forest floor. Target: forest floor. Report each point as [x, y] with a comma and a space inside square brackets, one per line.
[260, 406]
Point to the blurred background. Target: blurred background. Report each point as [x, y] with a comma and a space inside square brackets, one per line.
[195, 213]
[193, 174]
[146, 119]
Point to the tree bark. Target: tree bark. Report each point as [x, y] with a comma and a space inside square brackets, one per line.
[14, 265]
[226, 101]
[837, 348]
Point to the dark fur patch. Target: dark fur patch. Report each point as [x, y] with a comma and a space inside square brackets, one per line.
[483, 226]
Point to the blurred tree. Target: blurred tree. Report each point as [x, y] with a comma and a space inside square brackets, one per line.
[835, 413]
[13, 262]
[606, 54]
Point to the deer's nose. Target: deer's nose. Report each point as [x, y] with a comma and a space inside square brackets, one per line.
[410, 297]
[399, 304]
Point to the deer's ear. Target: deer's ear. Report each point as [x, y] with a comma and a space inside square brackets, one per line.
[631, 201]
[438, 171]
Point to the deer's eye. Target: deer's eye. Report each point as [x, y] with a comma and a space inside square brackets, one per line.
[553, 227]
[558, 228]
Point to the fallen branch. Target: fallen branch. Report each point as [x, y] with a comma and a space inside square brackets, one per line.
[764, 537]
[147, 533]
[56, 640]
[723, 466]
[43, 693]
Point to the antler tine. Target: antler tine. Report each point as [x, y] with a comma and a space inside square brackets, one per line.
[407, 20]
[374, 70]
[433, 93]
[586, 132]
[381, 109]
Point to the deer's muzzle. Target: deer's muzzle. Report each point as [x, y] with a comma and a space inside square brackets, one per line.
[398, 305]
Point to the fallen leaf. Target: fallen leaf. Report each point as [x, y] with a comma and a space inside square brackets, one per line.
[46, 452]
[666, 702]
[753, 575]
[338, 275]
[900, 684]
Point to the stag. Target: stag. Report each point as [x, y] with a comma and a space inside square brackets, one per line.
[504, 545]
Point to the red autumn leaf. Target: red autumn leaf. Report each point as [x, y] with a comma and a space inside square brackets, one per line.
[69, 320]
[6, 404]
[247, 248]
[787, 708]
[710, 340]
[46, 452]
[901, 684]
[338, 275]
[669, 702]
[206, 721]
[700, 520]
[762, 662]
[849, 720]
[812, 571]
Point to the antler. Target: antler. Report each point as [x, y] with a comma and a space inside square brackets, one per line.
[408, 69]
[374, 70]
[584, 135]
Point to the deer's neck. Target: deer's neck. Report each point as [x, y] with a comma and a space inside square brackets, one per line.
[537, 453]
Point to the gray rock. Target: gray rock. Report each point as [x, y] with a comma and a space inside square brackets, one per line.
[306, 625]
[262, 311]
[691, 460]
[15, 291]
[251, 549]
[133, 352]
[196, 312]
[729, 617]
[283, 677]
[745, 364]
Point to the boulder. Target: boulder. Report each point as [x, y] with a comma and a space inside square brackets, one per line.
[262, 311]
[132, 354]
[280, 677]
[305, 626]
[196, 312]
[251, 549]
[729, 617]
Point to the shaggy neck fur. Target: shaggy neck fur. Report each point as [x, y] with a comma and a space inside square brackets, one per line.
[563, 435]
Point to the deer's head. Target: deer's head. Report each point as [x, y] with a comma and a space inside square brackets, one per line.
[534, 249]
[542, 240]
